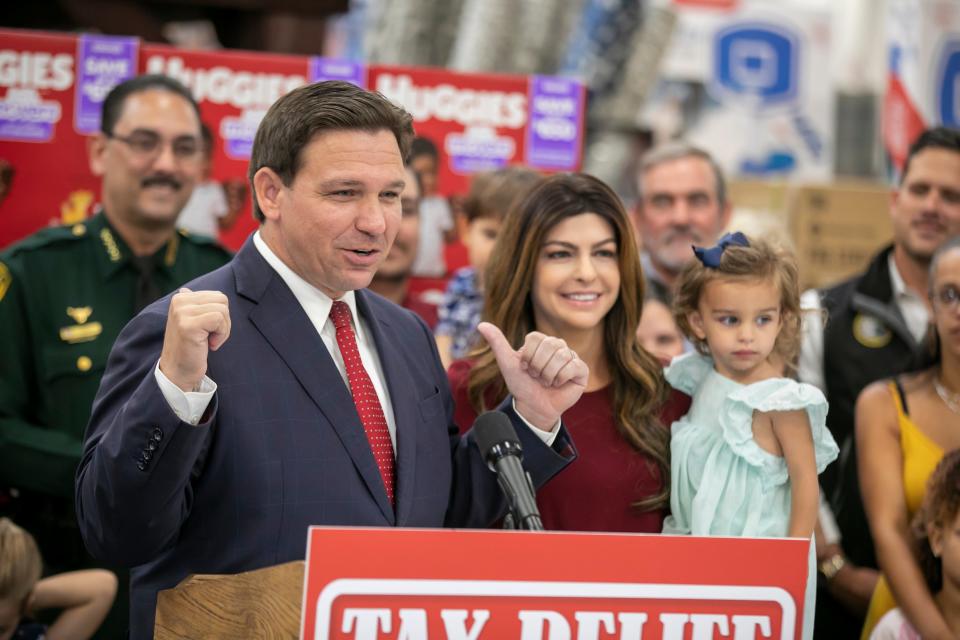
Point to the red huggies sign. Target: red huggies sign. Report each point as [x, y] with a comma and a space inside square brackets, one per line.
[52, 88]
[390, 584]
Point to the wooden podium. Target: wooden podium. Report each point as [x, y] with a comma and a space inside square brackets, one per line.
[256, 604]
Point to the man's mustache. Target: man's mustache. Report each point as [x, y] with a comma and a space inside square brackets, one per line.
[682, 233]
[161, 180]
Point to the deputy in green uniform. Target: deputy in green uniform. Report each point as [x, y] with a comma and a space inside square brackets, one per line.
[66, 292]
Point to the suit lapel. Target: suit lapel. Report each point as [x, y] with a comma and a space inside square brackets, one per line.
[403, 397]
[281, 320]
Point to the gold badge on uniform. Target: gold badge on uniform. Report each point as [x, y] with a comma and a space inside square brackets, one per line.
[871, 332]
[79, 314]
[110, 245]
[5, 280]
[80, 332]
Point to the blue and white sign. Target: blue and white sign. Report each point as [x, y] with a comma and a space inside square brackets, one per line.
[947, 83]
[756, 60]
[770, 112]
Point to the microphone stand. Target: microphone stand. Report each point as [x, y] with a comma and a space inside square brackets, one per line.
[514, 519]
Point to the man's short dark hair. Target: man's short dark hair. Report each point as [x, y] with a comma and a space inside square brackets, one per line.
[113, 103]
[423, 147]
[934, 138]
[296, 118]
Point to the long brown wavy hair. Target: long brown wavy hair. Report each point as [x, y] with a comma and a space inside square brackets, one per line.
[638, 385]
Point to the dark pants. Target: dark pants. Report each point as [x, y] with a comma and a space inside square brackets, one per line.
[833, 619]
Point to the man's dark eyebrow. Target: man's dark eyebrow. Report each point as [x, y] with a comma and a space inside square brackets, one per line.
[154, 132]
[680, 194]
[348, 183]
[339, 184]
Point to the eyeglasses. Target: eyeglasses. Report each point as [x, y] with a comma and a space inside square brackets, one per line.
[948, 296]
[147, 145]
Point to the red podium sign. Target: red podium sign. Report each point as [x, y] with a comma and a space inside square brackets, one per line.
[380, 584]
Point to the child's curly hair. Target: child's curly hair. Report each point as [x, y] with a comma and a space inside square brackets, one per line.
[939, 509]
[759, 261]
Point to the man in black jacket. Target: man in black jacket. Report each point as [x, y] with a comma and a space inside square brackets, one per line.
[876, 327]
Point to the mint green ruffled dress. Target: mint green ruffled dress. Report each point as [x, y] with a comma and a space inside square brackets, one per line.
[722, 482]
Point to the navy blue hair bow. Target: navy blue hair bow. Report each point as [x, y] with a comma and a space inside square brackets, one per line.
[710, 256]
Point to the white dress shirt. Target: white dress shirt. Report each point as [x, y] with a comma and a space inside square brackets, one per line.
[189, 406]
[316, 305]
[810, 365]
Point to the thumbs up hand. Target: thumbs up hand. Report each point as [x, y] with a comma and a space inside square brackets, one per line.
[545, 377]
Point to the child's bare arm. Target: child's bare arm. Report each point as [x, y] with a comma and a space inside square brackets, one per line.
[792, 430]
[84, 596]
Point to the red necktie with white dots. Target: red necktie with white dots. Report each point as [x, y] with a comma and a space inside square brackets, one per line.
[364, 395]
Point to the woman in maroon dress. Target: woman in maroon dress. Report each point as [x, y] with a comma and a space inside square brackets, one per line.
[566, 264]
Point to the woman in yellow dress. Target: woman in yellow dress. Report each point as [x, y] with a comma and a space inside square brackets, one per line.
[903, 428]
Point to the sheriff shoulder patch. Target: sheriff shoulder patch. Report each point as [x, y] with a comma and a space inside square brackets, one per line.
[5, 280]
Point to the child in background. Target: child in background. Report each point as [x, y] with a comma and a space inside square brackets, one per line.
[491, 196]
[436, 221]
[84, 596]
[658, 332]
[745, 459]
[937, 530]
[207, 212]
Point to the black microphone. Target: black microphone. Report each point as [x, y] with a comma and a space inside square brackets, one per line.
[500, 447]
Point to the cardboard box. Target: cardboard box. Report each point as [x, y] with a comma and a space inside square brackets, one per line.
[760, 196]
[837, 228]
[834, 228]
[761, 209]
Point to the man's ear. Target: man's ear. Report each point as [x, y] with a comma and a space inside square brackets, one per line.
[268, 188]
[696, 324]
[894, 203]
[96, 149]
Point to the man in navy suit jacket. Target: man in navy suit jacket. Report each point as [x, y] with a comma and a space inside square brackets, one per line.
[225, 425]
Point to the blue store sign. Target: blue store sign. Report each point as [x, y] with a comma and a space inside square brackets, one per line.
[947, 83]
[756, 60]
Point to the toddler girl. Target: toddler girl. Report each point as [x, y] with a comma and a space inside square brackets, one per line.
[745, 459]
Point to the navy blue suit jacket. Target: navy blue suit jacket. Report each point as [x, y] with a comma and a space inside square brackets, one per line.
[280, 448]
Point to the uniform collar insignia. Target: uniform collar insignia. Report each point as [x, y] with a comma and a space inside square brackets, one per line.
[79, 314]
[110, 244]
[170, 257]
